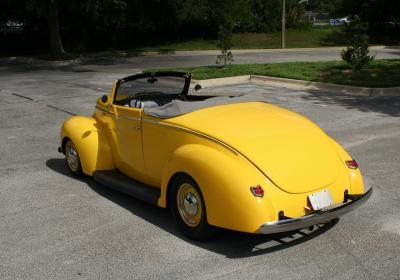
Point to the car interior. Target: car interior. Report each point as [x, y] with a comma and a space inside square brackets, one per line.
[166, 95]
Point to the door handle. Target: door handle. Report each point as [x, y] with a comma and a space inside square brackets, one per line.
[138, 127]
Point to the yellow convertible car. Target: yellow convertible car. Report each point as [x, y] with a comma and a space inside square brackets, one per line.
[238, 163]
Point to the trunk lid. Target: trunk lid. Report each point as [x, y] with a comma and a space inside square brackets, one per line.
[291, 150]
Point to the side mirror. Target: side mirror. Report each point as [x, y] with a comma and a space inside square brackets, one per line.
[104, 99]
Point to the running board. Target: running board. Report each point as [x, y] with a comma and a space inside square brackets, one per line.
[120, 182]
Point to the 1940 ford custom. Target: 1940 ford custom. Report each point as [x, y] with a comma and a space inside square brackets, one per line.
[239, 163]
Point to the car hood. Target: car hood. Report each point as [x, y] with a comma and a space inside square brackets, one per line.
[289, 149]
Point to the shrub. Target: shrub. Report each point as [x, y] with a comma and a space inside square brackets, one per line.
[225, 44]
[357, 53]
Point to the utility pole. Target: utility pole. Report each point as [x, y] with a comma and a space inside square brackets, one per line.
[283, 24]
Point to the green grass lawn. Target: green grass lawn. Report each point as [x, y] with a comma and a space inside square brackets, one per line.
[380, 73]
[307, 38]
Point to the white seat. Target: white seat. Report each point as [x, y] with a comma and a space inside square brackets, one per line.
[148, 104]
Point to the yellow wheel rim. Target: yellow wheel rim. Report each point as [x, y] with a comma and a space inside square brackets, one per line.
[72, 156]
[189, 205]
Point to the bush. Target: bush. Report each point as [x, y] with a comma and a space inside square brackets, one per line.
[225, 44]
[357, 53]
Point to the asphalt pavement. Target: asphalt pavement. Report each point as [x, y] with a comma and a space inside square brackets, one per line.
[54, 226]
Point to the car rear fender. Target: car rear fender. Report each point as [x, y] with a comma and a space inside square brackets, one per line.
[91, 142]
[355, 177]
[225, 179]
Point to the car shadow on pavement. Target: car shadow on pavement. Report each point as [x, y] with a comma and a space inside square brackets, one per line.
[228, 243]
[385, 105]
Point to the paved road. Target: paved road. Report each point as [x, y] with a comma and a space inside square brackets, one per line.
[53, 226]
[201, 58]
[278, 55]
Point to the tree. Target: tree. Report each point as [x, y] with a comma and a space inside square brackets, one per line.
[295, 11]
[377, 14]
[260, 16]
[225, 44]
[357, 54]
[332, 7]
[226, 14]
[37, 11]
[36, 15]
[56, 45]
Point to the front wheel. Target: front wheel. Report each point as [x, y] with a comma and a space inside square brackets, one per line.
[72, 158]
[188, 208]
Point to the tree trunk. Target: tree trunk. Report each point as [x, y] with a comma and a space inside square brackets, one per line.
[56, 45]
[283, 24]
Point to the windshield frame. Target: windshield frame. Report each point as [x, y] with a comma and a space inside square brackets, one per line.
[184, 92]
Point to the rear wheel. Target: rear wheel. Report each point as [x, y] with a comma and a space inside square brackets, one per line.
[188, 208]
[72, 158]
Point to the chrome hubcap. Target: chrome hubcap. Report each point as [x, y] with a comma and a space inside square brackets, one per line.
[189, 205]
[72, 156]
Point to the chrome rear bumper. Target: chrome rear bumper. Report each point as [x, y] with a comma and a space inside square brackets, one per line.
[316, 218]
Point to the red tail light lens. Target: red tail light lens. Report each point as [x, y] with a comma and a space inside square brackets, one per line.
[352, 164]
[257, 191]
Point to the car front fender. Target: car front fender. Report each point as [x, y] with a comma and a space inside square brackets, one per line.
[90, 141]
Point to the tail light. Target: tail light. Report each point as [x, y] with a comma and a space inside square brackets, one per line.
[257, 191]
[352, 164]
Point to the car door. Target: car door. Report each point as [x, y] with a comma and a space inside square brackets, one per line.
[125, 118]
[127, 135]
[124, 125]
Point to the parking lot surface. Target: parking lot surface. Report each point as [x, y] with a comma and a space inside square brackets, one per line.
[54, 226]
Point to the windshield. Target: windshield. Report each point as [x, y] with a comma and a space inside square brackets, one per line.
[144, 86]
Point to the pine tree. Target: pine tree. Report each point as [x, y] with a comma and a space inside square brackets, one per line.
[357, 53]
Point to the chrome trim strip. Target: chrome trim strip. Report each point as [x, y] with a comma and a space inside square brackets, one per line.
[313, 219]
[199, 134]
[236, 152]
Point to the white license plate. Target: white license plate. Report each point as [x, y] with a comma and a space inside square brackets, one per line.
[320, 200]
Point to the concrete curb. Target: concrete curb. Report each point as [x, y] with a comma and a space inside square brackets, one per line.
[224, 81]
[343, 89]
[301, 85]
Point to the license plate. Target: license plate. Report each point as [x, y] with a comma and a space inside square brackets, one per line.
[320, 200]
